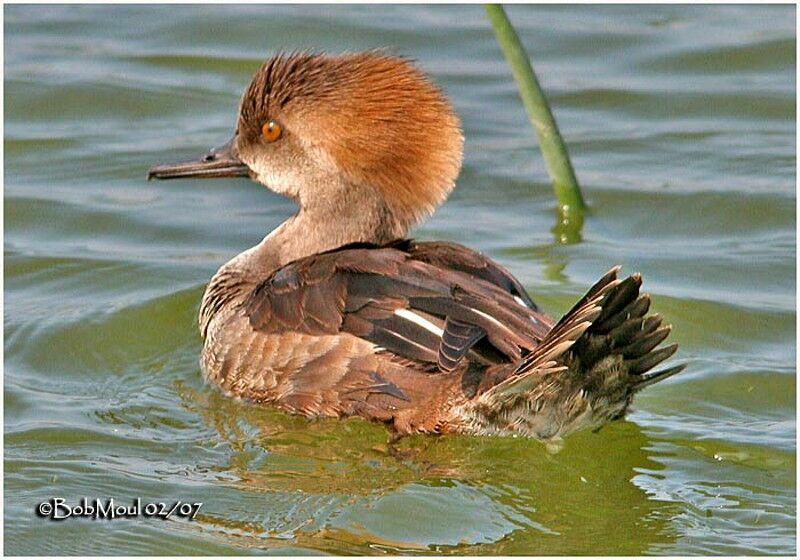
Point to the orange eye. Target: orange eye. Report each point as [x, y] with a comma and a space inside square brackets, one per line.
[271, 131]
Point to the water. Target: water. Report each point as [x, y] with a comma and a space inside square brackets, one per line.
[681, 123]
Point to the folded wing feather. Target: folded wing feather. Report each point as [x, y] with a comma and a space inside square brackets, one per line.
[436, 304]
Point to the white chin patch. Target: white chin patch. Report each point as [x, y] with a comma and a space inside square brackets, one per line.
[279, 183]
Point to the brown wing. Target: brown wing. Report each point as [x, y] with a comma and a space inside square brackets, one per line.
[458, 257]
[433, 310]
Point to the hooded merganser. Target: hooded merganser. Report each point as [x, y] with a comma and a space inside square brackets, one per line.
[335, 313]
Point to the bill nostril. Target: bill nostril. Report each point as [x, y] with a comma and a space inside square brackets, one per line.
[210, 156]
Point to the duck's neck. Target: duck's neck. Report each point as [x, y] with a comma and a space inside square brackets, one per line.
[324, 223]
[346, 215]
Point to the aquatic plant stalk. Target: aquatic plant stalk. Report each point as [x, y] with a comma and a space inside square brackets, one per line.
[554, 151]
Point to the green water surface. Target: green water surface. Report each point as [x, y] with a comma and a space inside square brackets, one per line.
[681, 123]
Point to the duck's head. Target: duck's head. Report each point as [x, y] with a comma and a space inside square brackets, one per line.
[316, 128]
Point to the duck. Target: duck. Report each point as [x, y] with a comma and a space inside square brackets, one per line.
[338, 313]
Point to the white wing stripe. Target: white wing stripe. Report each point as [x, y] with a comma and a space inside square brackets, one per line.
[488, 317]
[421, 321]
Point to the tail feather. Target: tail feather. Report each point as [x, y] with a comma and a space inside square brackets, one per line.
[629, 331]
[656, 376]
[649, 361]
[507, 391]
[591, 298]
[651, 323]
[610, 320]
[637, 308]
[623, 294]
[608, 279]
[572, 325]
[645, 344]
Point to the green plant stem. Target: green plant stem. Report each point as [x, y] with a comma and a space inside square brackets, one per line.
[554, 151]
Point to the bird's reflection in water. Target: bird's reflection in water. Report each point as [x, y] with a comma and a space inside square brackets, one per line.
[339, 486]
